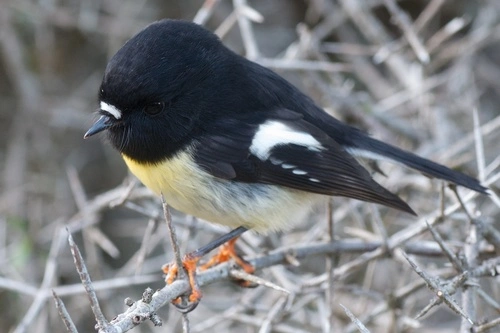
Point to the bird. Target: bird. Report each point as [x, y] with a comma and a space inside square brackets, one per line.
[229, 141]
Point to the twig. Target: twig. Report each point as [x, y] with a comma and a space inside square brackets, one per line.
[446, 250]
[173, 236]
[486, 327]
[478, 140]
[63, 313]
[450, 288]
[102, 323]
[242, 275]
[469, 299]
[361, 328]
[428, 13]
[48, 278]
[331, 263]
[274, 312]
[247, 35]
[433, 285]
[403, 20]
[205, 11]
[145, 244]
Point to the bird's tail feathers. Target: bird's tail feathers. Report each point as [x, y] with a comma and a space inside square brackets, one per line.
[376, 150]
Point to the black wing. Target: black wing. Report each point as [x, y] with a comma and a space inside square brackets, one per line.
[225, 151]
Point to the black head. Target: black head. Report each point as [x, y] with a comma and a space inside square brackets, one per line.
[151, 88]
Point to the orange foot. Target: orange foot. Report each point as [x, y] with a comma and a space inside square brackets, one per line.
[227, 252]
[171, 271]
[190, 262]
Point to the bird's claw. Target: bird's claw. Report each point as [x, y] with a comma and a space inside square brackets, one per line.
[182, 303]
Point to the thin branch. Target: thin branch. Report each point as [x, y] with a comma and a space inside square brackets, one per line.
[102, 323]
[361, 328]
[403, 20]
[436, 288]
[63, 313]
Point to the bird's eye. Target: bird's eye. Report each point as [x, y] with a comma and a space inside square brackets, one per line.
[154, 108]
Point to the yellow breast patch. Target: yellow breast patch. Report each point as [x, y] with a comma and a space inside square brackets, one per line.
[188, 188]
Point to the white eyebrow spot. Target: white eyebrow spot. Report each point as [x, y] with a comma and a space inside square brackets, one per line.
[274, 133]
[299, 172]
[314, 180]
[111, 109]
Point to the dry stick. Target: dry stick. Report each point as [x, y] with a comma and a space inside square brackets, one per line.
[395, 240]
[464, 143]
[331, 262]
[446, 250]
[186, 327]
[173, 236]
[402, 19]
[479, 145]
[437, 289]
[63, 313]
[450, 288]
[360, 326]
[144, 309]
[145, 245]
[242, 275]
[75, 289]
[181, 273]
[247, 35]
[371, 27]
[226, 25]
[90, 242]
[486, 327]
[471, 252]
[449, 30]
[396, 297]
[488, 299]
[240, 307]
[274, 312]
[205, 12]
[420, 22]
[113, 283]
[102, 323]
[129, 184]
[48, 278]
[427, 14]
[469, 300]
[471, 248]
[489, 268]
[250, 321]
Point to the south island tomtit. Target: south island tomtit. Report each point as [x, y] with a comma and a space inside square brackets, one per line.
[230, 141]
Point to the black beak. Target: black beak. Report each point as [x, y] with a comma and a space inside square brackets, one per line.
[104, 122]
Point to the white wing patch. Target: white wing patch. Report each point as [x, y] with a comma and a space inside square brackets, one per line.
[274, 133]
[111, 109]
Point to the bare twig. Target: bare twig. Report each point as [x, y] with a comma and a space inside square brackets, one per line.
[247, 35]
[435, 287]
[102, 323]
[361, 328]
[403, 20]
[63, 313]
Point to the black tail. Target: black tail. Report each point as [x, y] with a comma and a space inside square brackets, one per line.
[372, 148]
